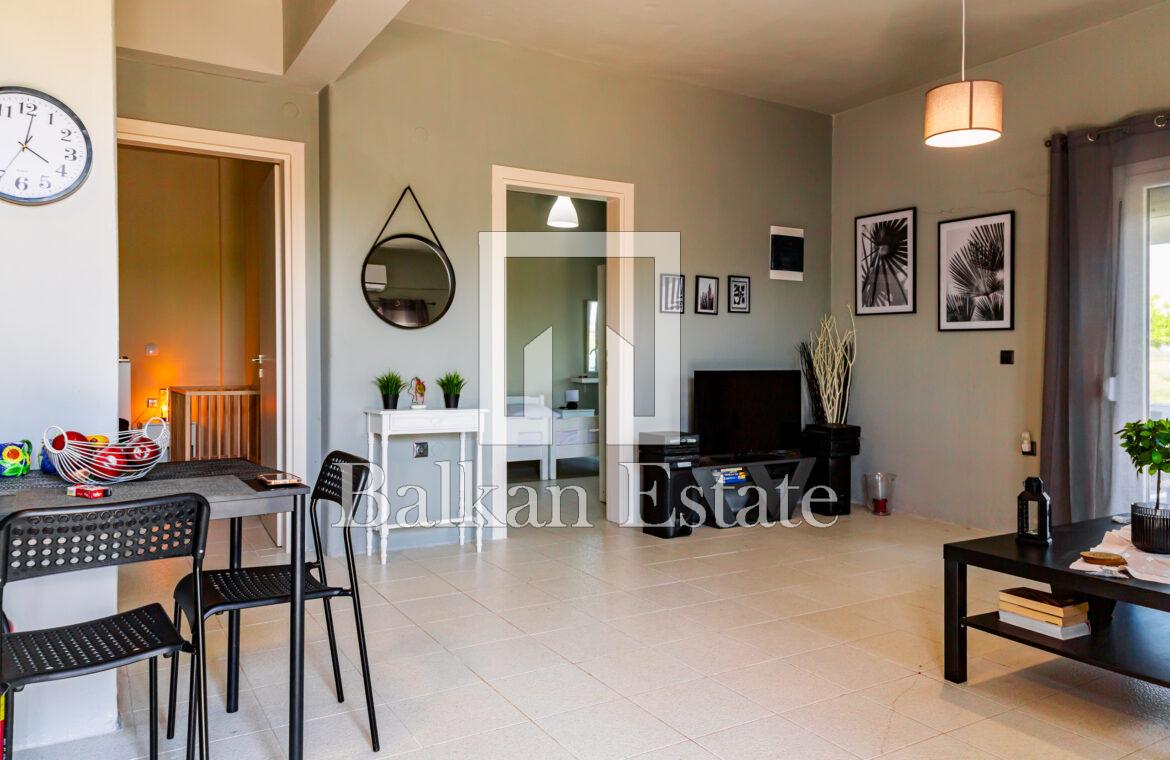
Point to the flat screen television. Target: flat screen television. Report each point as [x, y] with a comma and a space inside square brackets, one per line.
[747, 411]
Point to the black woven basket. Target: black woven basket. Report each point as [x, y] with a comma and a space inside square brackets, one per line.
[1150, 529]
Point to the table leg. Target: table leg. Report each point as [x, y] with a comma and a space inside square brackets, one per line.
[369, 518]
[384, 507]
[462, 486]
[477, 480]
[955, 633]
[296, 669]
[235, 561]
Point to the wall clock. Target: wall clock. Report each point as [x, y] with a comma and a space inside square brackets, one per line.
[45, 152]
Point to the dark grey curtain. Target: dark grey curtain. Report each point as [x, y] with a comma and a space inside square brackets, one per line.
[1076, 440]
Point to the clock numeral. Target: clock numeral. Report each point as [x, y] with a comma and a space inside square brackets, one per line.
[70, 154]
[45, 182]
[60, 171]
[51, 115]
[22, 184]
[28, 109]
[6, 111]
[66, 134]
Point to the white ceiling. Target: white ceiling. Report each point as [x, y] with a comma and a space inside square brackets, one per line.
[827, 55]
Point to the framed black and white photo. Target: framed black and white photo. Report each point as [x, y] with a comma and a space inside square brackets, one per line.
[786, 256]
[739, 294]
[671, 293]
[976, 273]
[706, 294]
[886, 262]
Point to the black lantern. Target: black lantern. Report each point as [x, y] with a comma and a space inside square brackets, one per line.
[1033, 514]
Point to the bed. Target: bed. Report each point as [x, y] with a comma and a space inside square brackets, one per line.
[539, 433]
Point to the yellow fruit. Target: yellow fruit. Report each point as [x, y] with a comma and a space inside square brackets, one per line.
[100, 440]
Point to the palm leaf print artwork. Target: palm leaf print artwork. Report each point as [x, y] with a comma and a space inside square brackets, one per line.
[884, 263]
[975, 292]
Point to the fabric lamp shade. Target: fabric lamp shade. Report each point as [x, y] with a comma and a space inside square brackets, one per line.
[963, 113]
[563, 213]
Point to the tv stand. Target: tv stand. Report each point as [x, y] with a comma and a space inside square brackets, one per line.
[675, 476]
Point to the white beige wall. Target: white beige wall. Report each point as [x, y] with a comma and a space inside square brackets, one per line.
[436, 110]
[937, 408]
[59, 294]
[234, 34]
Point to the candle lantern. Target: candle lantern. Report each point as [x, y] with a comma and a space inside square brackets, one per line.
[1033, 514]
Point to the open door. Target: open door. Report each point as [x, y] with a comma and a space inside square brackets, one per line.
[266, 361]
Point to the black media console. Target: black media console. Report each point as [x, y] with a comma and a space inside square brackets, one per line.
[682, 487]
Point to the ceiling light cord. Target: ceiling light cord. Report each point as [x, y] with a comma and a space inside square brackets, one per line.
[963, 56]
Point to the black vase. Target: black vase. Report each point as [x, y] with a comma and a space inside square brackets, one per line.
[1150, 529]
[451, 400]
[389, 402]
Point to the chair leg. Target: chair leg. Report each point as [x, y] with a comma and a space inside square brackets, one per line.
[173, 697]
[9, 746]
[201, 674]
[153, 666]
[192, 706]
[333, 650]
[361, 637]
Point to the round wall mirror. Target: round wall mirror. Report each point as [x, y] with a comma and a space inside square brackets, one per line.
[408, 281]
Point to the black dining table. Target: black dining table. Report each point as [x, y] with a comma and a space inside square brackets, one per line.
[232, 489]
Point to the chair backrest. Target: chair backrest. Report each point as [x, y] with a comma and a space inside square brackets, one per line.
[38, 542]
[331, 482]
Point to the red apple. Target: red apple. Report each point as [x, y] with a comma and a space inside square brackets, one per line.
[59, 442]
[110, 462]
[142, 450]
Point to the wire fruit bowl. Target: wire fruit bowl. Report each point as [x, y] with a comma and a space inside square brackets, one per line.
[117, 458]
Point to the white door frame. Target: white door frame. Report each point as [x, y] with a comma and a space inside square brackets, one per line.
[619, 381]
[291, 280]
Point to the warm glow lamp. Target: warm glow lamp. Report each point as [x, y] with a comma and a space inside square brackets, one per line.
[563, 213]
[967, 112]
[164, 403]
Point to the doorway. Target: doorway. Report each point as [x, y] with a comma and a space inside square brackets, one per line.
[615, 395]
[555, 279]
[228, 291]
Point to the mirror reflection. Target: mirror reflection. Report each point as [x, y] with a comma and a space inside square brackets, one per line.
[408, 281]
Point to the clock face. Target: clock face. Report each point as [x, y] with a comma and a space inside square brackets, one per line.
[45, 152]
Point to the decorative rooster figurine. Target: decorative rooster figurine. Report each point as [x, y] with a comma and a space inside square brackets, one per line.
[418, 393]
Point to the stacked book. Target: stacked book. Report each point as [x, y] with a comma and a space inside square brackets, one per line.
[1042, 612]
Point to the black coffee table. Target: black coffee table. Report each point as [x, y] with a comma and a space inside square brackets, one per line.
[1130, 619]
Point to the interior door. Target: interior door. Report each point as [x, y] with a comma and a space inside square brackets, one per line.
[601, 383]
[267, 361]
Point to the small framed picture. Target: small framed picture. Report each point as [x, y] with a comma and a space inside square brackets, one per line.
[739, 294]
[671, 293]
[885, 262]
[706, 294]
[977, 273]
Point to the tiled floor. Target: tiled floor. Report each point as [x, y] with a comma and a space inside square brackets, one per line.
[604, 643]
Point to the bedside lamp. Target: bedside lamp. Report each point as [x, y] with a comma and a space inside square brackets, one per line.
[572, 397]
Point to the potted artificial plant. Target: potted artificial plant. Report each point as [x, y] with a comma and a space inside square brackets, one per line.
[1147, 442]
[452, 384]
[389, 385]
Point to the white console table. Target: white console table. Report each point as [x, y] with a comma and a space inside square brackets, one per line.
[382, 424]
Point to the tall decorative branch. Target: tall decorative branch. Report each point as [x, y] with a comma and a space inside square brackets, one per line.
[827, 362]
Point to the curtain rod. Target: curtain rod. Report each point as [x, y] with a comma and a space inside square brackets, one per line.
[1160, 122]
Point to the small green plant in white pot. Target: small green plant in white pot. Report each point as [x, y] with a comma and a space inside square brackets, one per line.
[452, 385]
[1147, 442]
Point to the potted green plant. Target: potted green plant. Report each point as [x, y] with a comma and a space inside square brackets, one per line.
[1147, 442]
[389, 385]
[452, 384]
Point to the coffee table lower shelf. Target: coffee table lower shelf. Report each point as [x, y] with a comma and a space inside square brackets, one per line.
[1135, 643]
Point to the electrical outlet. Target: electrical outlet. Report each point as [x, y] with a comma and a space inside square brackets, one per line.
[151, 403]
[1007, 357]
[422, 449]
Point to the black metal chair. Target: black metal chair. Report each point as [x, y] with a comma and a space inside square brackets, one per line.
[245, 588]
[39, 542]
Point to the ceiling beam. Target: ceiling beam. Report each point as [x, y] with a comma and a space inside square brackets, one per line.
[345, 31]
